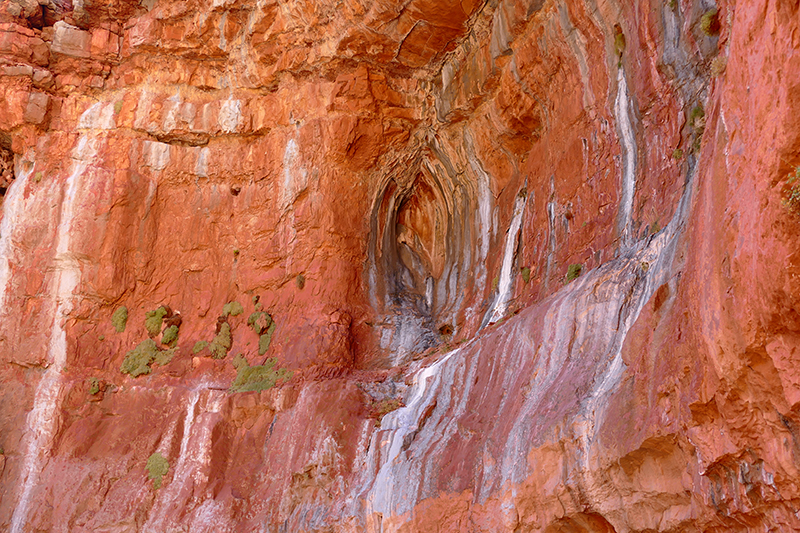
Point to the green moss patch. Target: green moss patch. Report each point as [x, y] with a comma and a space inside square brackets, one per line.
[697, 118]
[163, 357]
[240, 361]
[232, 309]
[266, 339]
[222, 342]
[258, 378]
[574, 271]
[153, 320]
[157, 468]
[619, 42]
[170, 336]
[792, 199]
[655, 228]
[137, 361]
[526, 274]
[199, 346]
[120, 319]
[381, 408]
[709, 22]
[260, 322]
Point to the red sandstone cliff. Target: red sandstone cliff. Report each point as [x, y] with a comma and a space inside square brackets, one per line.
[498, 266]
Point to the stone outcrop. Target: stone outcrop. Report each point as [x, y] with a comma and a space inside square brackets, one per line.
[518, 265]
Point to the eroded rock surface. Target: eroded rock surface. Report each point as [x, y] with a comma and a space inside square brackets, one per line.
[418, 265]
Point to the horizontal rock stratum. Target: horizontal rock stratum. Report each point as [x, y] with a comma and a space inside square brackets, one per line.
[399, 266]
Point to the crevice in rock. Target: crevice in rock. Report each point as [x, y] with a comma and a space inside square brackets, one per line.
[6, 163]
[183, 138]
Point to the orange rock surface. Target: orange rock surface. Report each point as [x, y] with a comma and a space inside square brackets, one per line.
[520, 265]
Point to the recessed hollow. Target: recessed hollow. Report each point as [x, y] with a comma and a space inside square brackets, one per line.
[412, 250]
[6, 164]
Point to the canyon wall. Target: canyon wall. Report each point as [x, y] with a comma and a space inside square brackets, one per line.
[500, 265]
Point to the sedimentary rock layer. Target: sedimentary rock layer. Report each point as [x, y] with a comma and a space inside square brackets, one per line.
[405, 265]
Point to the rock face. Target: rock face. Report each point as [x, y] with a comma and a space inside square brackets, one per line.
[433, 265]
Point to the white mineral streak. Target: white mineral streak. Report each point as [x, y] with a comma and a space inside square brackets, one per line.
[505, 284]
[43, 419]
[628, 140]
[98, 116]
[13, 205]
[294, 176]
[230, 114]
[395, 428]
[194, 458]
[483, 217]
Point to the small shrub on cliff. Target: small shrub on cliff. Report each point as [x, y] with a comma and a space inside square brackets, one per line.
[266, 339]
[153, 320]
[163, 357]
[157, 468]
[222, 342]
[697, 118]
[718, 66]
[94, 386]
[381, 408]
[264, 327]
[300, 280]
[137, 361]
[240, 361]
[199, 346]
[526, 274]
[232, 309]
[258, 378]
[170, 336]
[792, 199]
[259, 321]
[619, 41]
[574, 271]
[120, 319]
[697, 121]
[709, 22]
[655, 228]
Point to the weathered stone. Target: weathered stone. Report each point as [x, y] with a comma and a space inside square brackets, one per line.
[71, 41]
[36, 110]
